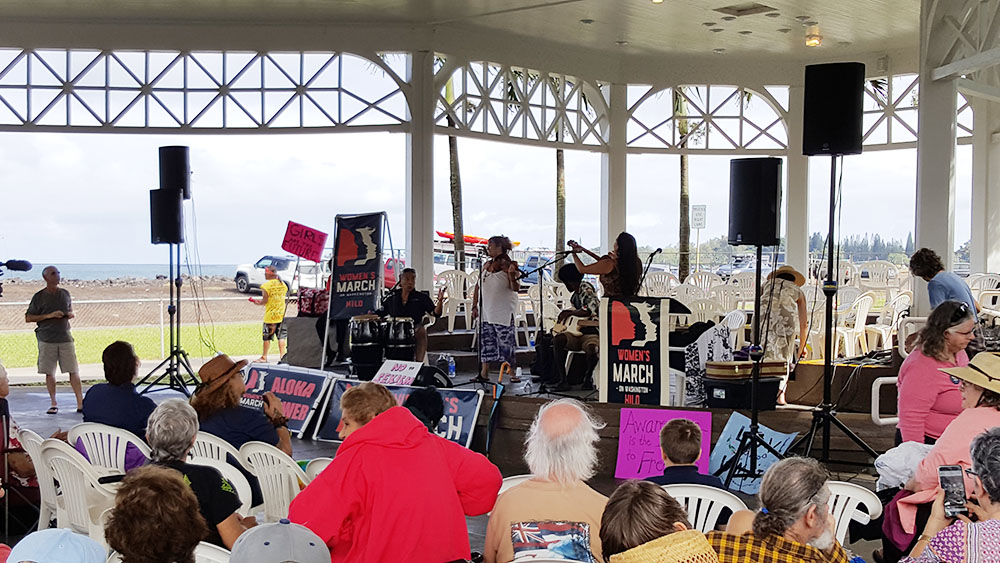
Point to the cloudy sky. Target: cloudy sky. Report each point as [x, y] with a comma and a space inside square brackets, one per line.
[83, 198]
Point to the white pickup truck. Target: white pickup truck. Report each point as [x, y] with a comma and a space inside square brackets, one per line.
[311, 274]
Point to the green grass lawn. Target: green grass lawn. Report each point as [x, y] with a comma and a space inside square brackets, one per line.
[19, 349]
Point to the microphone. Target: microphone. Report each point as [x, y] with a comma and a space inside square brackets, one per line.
[655, 252]
[17, 265]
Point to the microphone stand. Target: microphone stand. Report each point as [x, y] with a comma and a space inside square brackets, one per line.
[649, 262]
[541, 299]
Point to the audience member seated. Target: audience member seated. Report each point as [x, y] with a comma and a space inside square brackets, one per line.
[280, 542]
[217, 401]
[793, 524]
[116, 403]
[907, 513]
[960, 540]
[642, 523]
[928, 400]
[555, 503]
[56, 545]
[155, 518]
[427, 405]
[394, 492]
[173, 426]
[680, 446]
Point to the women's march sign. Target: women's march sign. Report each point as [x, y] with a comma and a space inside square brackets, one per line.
[300, 390]
[357, 266]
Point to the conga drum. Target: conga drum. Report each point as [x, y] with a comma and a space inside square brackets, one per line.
[366, 346]
[400, 339]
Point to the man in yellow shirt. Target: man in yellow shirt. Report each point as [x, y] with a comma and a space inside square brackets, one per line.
[273, 300]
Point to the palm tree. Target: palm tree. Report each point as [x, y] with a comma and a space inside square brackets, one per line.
[684, 206]
[455, 184]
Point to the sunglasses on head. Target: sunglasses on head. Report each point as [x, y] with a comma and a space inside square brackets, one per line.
[960, 313]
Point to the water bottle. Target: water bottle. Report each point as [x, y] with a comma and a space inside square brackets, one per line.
[451, 367]
[517, 373]
[526, 386]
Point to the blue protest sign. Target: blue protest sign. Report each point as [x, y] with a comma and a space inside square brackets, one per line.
[728, 443]
[301, 390]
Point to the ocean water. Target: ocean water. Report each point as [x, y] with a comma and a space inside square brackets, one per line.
[110, 271]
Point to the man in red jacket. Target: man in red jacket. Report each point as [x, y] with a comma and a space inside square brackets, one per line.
[394, 492]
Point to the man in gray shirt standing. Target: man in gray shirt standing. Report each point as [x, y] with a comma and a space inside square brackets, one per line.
[52, 309]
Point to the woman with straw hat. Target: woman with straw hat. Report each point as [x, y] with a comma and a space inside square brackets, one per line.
[785, 316]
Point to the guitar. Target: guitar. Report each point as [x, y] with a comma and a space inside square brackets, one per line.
[575, 326]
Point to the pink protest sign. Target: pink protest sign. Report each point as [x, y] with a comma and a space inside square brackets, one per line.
[639, 440]
[303, 241]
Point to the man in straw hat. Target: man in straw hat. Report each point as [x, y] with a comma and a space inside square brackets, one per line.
[785, 316]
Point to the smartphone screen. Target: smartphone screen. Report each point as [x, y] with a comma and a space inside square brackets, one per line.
[953, 484]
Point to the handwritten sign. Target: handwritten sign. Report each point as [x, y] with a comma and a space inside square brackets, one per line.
[396, 372]
[729, 442]
[301, 390]
[639, 440]
[303, 241]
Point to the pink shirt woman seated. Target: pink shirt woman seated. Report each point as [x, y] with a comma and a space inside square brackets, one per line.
[928, 400]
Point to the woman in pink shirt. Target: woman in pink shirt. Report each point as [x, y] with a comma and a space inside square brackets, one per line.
[927, 399]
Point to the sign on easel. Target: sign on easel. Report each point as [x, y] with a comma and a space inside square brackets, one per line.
[397, 372]
[634, 367]
[357, 266]
[300, 390]
[304, 242]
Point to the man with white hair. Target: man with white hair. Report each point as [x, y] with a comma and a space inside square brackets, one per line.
[555, 513]
[793, 523]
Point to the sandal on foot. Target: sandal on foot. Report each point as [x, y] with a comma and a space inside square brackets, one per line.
[52, 410]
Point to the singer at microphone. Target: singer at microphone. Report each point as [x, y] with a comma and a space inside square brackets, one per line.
[620, 271]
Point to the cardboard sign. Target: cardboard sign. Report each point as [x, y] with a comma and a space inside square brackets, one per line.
[301, 390]
[303, 241]
[639, 440]
[634, 352]
[357, 268]
[461, 409]
[729, 442]
[397, 372]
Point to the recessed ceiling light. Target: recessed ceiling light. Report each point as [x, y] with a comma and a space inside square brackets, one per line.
[719, 51]
[811, 23]
[745, 32]
[784, 30]
[586, 21]
[622, 42]
[657, 1]
[716, 29]
[813, 38]
[708, 24]
[803, 18]
[772, 15]
[728, 18]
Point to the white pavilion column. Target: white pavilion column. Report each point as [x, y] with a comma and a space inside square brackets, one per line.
[935, 220]
[985, 247]
[797, 203]
[613, 167]
[420, 169]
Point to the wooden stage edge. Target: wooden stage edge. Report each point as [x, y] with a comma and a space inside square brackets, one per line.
[514, 415]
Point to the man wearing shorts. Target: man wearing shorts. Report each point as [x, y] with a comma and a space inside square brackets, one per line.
[273, 300]
[52, 309]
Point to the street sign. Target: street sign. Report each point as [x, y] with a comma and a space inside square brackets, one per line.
[698, 216]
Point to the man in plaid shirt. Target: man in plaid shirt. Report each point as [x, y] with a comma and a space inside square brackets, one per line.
[793, 524]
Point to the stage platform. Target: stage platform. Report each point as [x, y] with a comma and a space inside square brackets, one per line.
[852, 385]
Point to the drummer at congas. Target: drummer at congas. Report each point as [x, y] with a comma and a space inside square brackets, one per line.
[406, 301]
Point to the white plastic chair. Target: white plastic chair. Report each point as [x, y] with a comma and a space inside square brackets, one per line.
[737, 323]
[237, 479]
[279, 477]
[85, 499]
[744, 280]
[51, 504]
[659, 284]
[686, 293]
[846, 500]
[105, 445]
[704, 280]
[908, 326]
[316, 466]
[731, 297]
[844, 299]
[853, 336]
[513, 481]
[213, 447]
[209, 553]
[459, 286]
[880, 334]
[704, 504]
[985, 282]
[550, 307]
[703, 310]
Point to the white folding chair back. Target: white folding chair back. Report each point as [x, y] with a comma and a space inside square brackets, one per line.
[686, 293]
[737, 322]
[114, 558]
[105, 445]
[703, 310]
[213, 447]
[32, 444]
[985, 282]
[854, 336]
[880, 333]
[209, 553]
[731, 297]
[279, 476]
[852, 502]
[316, 466]
[84, 498]
[744, 280]
[237, 479]
[845, 298]
[704, 504]
[659, 284]
[459, 286]
[512, 481]
[908, 326]
[704, 280]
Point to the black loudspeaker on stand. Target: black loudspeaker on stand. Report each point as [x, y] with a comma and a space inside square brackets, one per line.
[833, 112]
[166, 213]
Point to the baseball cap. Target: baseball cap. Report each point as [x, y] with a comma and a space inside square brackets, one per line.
[57, 545]
[280, 542]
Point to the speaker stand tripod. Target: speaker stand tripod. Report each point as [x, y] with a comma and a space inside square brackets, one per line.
[174, 372]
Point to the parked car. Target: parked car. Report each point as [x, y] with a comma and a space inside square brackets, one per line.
[311, 274]
[531, 263]
[742, 264]
[389, 272]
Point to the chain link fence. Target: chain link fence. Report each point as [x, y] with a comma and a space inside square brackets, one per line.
[208, 325]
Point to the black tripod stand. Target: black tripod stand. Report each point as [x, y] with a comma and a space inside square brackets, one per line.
[177, 358]
[824, 414]
[752, 439]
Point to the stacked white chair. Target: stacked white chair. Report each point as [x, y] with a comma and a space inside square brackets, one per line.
[459, 287]
[737, 322]
[703, 310]
[853, 336]
[744, 280]
[659, 284]
[105, 445]
[84, 498]
[984, 282]
[51, 503]
[686, 293]
[731, 297]
[846, 502]
[704, 280]
[279, 476]
[880, 334]
[704, 504]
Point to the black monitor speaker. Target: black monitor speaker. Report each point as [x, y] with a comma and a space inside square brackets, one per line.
[175, 170]
[834, 98]
[166, 216]
[755, 201]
